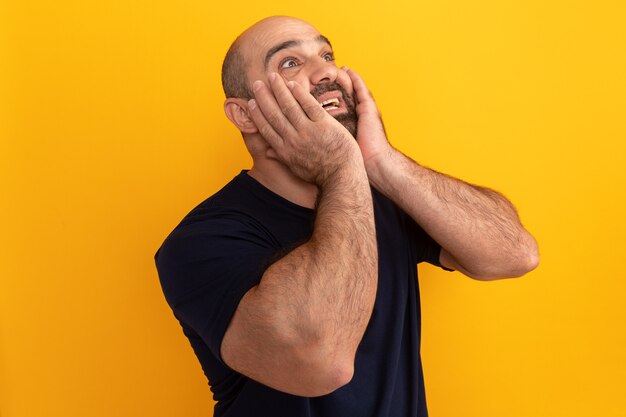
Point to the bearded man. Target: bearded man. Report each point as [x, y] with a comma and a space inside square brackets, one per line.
[296, 283]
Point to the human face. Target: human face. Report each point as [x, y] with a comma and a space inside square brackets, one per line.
[298, 52]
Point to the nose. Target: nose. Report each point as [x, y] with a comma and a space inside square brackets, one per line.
[323, 71]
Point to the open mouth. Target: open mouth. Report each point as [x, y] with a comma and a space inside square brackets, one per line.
[335, 99]
[331, 100]
[330, 104]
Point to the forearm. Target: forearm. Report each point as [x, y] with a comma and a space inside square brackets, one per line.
[323, 292]
[477, 226]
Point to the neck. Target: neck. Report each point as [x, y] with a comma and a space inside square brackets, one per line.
[276, 177]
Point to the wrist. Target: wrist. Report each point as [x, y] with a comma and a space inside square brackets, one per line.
[350, 172]
[378, 165]
[343, 161]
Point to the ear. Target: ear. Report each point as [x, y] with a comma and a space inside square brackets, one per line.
[237, 111]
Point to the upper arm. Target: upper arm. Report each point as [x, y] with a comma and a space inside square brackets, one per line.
[250, 347]
[447, 260]
[428, 250]
[204, 278]
[260, 346]
[211, 279]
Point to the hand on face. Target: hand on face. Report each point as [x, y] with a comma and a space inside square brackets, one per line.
[301, 134]
[371, 135]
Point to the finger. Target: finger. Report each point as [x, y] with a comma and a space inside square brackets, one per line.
[363, 94]
[265, 129]
[309, 104]
[286, 101]
[271, 111]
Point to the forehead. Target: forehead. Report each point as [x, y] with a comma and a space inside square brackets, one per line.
[270, 37]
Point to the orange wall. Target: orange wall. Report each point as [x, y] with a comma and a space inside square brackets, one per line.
[112, 129]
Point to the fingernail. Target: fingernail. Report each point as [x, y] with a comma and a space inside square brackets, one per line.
[345, 68]
[291, 85]
[257, 85]
[273, 76]
[252, 104]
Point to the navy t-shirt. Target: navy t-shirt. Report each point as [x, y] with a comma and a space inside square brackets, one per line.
[221, 249]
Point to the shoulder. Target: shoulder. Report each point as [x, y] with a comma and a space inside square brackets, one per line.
[211, 233]
[222, 249]
[226, 217]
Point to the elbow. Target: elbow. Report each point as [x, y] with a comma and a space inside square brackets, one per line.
[320, 380]
[329, 375]
[320, 375]
[528, 259]
[516, 266]
[333, 377]
[526, 263]
[532, 259]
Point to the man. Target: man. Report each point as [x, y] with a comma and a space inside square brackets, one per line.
[296, 283]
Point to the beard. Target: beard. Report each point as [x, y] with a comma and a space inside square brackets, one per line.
[349, 118]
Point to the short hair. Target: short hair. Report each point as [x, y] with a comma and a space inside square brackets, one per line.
[234, 74]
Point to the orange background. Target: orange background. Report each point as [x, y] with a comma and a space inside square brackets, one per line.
[112, 129]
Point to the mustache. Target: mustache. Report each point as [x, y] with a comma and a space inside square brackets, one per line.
[332, 86]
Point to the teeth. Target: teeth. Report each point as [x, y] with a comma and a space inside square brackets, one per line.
[331, 101]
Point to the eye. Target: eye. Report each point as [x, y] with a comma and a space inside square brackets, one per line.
[329, 57]
[289, 63]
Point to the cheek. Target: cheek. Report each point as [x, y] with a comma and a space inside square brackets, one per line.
[297, 77]
[256, 75]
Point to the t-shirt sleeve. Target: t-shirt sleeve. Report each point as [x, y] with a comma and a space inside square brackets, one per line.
[206, 269]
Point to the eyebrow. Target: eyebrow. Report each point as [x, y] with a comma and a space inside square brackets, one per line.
[290, 44]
